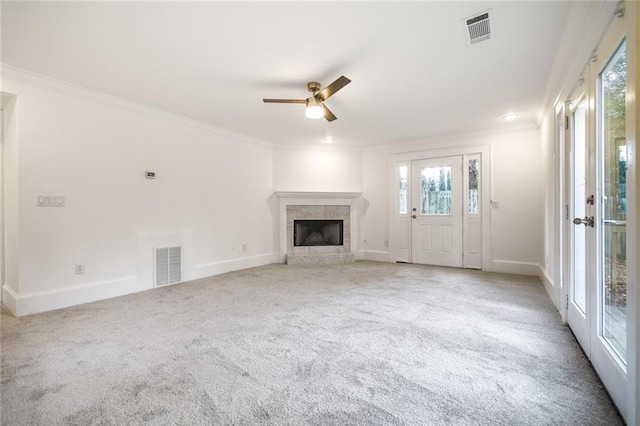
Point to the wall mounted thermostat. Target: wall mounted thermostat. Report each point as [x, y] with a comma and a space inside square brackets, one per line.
[150, 175]
[50, 200]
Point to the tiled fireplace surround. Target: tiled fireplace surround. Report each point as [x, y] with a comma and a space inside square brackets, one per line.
[317, 206]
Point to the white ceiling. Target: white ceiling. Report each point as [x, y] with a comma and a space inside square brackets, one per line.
[414, 76]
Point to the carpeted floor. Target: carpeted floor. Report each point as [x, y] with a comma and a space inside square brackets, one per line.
[362, 344]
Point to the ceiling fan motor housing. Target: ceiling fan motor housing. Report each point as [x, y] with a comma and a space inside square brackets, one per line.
[313, 86]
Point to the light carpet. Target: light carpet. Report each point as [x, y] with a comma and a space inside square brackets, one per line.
[358, 344]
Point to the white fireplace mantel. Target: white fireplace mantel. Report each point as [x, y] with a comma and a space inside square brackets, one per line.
[315, 195]
[312, 199]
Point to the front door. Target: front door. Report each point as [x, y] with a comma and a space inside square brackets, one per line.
[436, 229]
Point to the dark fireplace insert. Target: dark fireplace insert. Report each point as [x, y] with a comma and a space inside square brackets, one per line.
[317, 233]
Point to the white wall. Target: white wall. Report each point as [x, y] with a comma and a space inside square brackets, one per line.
[517, 185]
[516, 225]
[211, 194]
[317, 169]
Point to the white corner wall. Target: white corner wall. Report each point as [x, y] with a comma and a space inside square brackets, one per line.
[211, 195]
[516, 185]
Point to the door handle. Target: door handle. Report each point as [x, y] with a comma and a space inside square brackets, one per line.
[587, 221]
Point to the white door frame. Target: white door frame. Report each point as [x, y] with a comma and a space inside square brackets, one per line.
[633, 217]
[398, 223]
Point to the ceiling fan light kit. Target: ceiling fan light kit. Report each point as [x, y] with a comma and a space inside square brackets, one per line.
[315, 107]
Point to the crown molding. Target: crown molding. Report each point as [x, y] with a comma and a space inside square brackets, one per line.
[462, 137]
[30, 78]
[575, 47]
[319, 147]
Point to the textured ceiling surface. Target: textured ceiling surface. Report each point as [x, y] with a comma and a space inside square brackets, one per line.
[413, 73]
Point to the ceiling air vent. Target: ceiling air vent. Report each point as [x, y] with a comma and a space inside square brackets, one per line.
[478, 28]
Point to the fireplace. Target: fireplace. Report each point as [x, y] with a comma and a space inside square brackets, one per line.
[318, 227]
[318, 233]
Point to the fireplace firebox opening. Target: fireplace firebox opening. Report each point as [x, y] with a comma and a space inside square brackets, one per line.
[318, 233]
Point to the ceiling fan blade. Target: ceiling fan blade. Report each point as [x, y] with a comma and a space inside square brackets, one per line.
[285, 101]
[328, 115]
[328, 91]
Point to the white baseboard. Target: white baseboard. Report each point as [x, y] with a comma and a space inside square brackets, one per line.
[547, 281]
[216, 268]
[518, 268]
[42, 301]
[373, 255]
[9, 298]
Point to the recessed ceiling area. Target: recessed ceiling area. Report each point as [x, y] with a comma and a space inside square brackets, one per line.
[413, 73]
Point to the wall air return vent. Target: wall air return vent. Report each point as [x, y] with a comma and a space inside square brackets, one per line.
[167, 266]
[478, 28]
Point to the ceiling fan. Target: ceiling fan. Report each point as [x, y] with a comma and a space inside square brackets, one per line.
[315, 103]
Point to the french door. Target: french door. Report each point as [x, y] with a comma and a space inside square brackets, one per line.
[581, 200]
[436, 225]
[596, 308]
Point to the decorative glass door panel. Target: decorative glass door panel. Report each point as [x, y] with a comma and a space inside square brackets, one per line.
[472, 217]
[435, 193]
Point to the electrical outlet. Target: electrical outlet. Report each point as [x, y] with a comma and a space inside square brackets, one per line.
[79, 268]
[244, 247]
[386, 243]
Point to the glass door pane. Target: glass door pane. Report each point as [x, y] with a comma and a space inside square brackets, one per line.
[435, 194]
[613, 259]
[402, 190]
[473, 204]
